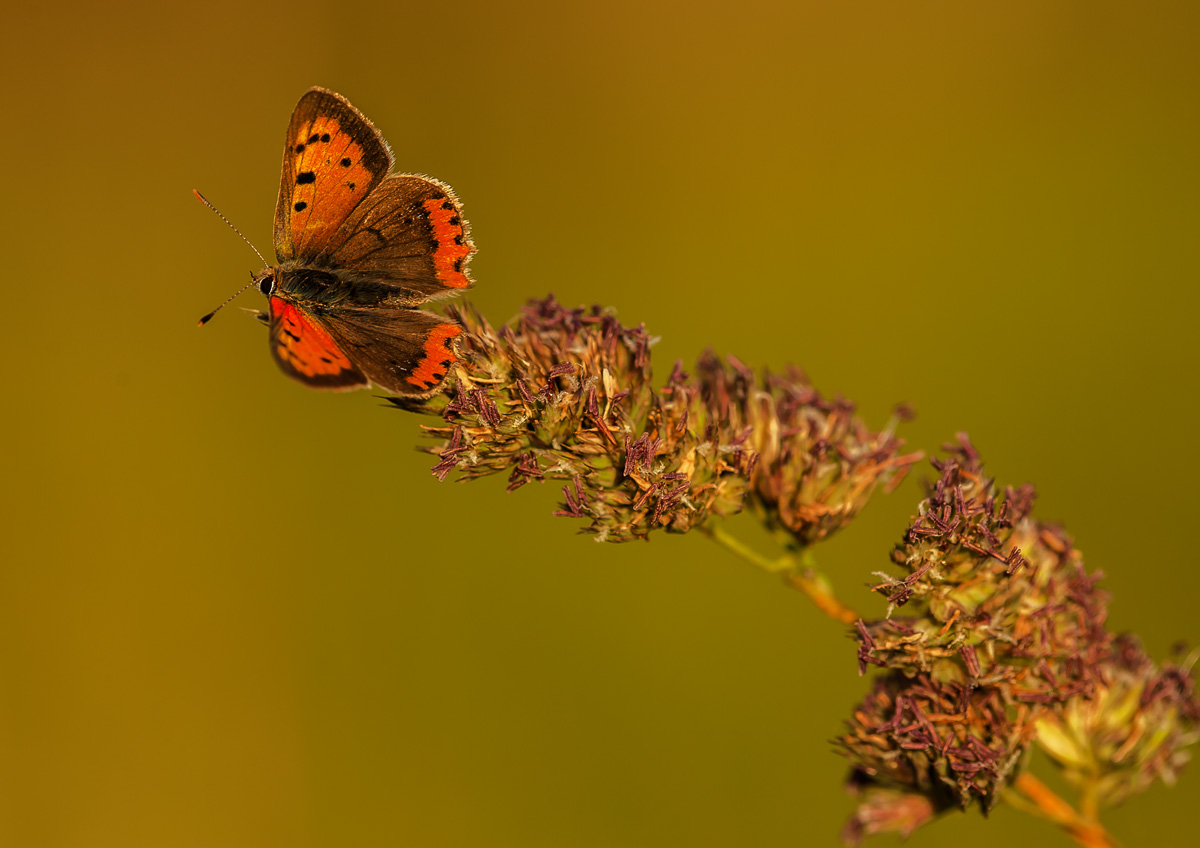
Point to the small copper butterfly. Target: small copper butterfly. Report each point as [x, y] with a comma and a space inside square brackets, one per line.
[359, 247]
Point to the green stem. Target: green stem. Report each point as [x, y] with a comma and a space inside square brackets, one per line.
[803, 576]
[781, 565]
[1089, 800]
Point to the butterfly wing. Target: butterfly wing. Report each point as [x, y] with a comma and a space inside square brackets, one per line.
[339, 208]
[406, 351]
[409, 233]
[332, 159]
[306, 351]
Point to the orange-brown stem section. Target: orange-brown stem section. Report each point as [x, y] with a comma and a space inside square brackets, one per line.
[823, 598]
[1089, 834]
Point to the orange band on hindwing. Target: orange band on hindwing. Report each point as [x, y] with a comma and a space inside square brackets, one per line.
[453, 247]
[437, 358]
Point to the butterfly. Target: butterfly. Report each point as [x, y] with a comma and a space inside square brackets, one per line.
[358, 248]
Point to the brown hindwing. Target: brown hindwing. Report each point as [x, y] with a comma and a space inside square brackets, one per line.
[406, 351]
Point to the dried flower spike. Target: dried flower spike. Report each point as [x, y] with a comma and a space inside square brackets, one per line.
[566, 394]
[1002, 645]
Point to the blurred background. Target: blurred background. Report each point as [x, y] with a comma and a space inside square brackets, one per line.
[237, 612]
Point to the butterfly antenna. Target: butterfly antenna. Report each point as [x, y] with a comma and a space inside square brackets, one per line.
[204, 200]
[209, 316]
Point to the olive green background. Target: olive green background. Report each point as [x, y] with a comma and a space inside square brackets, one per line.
[235, 612]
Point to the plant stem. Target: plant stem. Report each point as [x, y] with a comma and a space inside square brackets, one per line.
[816, 587]
[1089, 802]
[803, 576]
[1047, 804]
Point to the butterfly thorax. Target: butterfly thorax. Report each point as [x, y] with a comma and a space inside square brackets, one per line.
[322, 287]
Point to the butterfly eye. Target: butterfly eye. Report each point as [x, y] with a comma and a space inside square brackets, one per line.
[266, 283]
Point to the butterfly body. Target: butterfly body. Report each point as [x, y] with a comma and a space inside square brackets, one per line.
[358, 248]
[325, 288]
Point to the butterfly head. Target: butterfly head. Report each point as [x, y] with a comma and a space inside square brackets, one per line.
[264, 281]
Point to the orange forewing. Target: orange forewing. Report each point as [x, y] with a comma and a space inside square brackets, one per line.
[304, 349]
[333, 158]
